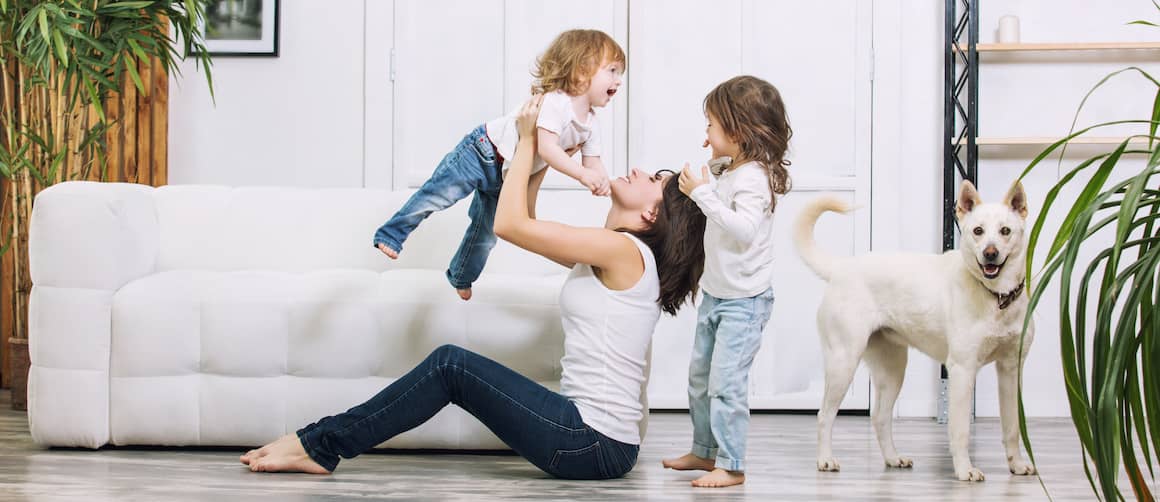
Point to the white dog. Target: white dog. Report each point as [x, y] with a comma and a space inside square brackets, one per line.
[963, 307]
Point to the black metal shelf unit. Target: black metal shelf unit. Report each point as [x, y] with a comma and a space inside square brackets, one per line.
[960, 123]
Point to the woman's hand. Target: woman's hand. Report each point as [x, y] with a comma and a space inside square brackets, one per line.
[689, 181]
[526, 119]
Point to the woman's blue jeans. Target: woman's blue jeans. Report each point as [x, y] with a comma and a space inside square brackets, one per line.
[542, 426]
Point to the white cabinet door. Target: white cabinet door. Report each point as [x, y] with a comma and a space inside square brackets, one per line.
[460, 63]
[818, 55]
[449, 77]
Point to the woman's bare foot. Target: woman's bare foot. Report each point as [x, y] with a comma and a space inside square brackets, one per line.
[284, 455]
[720, 478]
[689, 462]
[465, 294]
[391, 253]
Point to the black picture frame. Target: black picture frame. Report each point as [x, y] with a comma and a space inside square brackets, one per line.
[246, 28]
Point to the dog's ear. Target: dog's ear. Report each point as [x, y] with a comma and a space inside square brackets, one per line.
[968, 199]
[1017, 199]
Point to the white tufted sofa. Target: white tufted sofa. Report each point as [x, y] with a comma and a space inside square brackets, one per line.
[198, 315]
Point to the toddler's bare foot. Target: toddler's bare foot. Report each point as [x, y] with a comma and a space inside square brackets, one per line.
[465, 294]
[391, 253]
[719, 478]
[688, 462]
[284, 455]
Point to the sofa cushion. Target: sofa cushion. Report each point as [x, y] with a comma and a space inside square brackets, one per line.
[190, 347]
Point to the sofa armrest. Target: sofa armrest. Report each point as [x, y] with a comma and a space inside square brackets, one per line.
[92, 235]
[86, 241]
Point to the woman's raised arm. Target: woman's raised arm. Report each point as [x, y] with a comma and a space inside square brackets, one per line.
[599, 247]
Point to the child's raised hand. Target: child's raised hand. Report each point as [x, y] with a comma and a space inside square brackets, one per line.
[596, 181]
[689, 181]
[526, 119]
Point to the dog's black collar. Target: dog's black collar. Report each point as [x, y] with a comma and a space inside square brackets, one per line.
[1006, 299]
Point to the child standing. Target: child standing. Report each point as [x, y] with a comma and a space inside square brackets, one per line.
[580, 71]
[747, 124]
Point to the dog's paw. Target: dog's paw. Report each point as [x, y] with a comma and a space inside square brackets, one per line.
[828, 465]
[1020, 468]
[971, 474]
[900, 462]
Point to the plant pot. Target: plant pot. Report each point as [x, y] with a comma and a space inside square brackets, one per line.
[18, 357]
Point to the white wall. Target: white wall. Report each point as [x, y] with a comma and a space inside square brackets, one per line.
[300, 120]
[292, 120]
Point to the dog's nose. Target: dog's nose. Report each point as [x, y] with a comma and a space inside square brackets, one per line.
[991, 253]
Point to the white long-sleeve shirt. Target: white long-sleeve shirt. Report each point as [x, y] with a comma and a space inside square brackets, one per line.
[739, 232]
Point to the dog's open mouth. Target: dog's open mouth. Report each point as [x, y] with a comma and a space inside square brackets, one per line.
[991, 270]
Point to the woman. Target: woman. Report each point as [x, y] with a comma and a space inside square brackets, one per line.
[647, 258]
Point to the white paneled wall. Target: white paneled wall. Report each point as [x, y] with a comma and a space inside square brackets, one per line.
[435, 70]
[448, 78]
[327, 113]
[690, 50]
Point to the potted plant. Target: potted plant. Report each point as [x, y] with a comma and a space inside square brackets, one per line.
[1113, 391]
[60, 61]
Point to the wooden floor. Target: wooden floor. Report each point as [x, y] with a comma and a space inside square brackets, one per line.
[781, 462]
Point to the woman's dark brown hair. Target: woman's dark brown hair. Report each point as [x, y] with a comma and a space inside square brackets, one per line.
[750, 111]
[677, 241]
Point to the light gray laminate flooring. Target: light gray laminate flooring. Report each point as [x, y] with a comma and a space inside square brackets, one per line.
[781, 458]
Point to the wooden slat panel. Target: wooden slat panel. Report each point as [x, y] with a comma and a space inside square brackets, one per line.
[159, 167]
[144, 128]
[113, 137]
[136, 152]
[7, 298]
[128, 167]
[7, 102]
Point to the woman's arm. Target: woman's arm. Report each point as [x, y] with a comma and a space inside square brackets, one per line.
[534, 191]
[599, 247]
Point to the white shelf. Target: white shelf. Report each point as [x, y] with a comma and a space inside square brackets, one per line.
[1047, 140]
[1040, 47]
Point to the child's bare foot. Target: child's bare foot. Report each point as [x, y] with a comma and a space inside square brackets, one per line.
[391, 253]
[689, 462]
[465, 294]
[720, 478]
[284, 455]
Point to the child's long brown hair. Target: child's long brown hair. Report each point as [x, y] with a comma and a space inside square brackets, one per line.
[572, 59]
[751, 113]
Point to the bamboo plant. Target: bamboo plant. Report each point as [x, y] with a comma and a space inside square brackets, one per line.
[60, 61]
[1114, 391]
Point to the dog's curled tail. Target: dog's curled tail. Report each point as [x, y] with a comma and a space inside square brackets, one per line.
[803, 233]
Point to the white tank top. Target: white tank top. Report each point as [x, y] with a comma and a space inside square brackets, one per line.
[606, 343]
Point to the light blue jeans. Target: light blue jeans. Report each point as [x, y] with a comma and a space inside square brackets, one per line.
[727, 339]
[473, 166]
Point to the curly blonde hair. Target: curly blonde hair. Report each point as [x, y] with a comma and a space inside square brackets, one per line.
[751, 112]
[572, 59]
